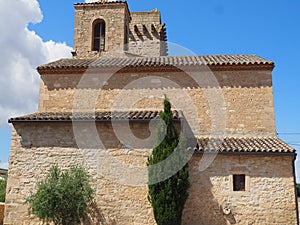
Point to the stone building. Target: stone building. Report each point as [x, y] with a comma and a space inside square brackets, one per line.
[100, 109]
[3, 172]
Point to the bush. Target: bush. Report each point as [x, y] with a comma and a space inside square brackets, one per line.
[63, 198]
[3, 182]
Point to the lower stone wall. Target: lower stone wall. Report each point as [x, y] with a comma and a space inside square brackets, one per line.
[120, 181]
[1, 213]
[121, 195]
[269, 197]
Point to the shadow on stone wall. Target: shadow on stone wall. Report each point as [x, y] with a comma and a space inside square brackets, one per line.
[96, 217]
[63, 134]
[120, 80]
[2, 205]
[202, 208]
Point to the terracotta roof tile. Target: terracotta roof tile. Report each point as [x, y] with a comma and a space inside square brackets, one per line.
[92, 116]
[163, 61]
[3, 172]
[243, 144]
[204, 144]
[99, 2]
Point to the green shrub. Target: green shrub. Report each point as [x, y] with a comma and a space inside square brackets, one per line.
[3, 183]
[63, 198]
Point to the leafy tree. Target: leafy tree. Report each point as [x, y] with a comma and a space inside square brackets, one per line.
[63, 198]
[3, 182]
[168, 196]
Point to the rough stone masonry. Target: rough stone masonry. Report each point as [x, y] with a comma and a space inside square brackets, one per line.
[100, 108]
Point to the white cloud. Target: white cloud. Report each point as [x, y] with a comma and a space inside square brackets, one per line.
[4, 165]
[22, 51]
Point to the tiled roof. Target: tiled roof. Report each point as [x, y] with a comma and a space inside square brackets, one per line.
[93, 116]
[99, 2]
[204, 144]
[243, 144]
[3, 171]
[163, 61]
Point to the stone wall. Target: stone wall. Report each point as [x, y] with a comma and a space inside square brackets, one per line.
[119, 200]
[221, 101]
[116, 17]
[138, 33]
[120, 175]
[269, 197]
[1, 213]
[146, 34]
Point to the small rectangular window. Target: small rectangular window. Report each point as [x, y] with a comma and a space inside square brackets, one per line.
[239, 181]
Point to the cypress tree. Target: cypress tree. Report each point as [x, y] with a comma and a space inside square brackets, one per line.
[168, 196]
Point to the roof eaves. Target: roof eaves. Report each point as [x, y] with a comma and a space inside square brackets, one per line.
[99, 3]
[214, 62]
[94, 117]
[248, 153]
[241, 145]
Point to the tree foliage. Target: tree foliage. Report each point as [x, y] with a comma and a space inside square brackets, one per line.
[298, 190]
[3, 182]
[63, 198]
[168, 196]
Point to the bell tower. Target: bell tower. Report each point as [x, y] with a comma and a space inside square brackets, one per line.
[101, 29]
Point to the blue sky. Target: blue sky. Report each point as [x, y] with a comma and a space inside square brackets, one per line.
[269, 29]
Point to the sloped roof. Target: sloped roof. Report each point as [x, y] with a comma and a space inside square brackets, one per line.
[102, 2]
[92, 116]
[3, 171]
[204, 144]
[243, 144]
[163, 61]
[99, 2]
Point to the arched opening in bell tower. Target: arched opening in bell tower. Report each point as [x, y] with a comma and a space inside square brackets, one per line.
[98, 35]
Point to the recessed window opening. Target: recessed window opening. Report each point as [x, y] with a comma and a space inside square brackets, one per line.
[239, 181]
[126, 38]
[99, 35]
